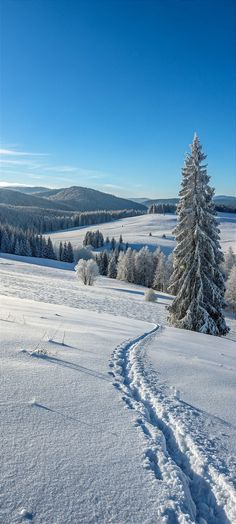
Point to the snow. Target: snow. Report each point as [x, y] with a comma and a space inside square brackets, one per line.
[184, 447]
[38, 261]
[135, 231]
[66, 458]
[109, 415]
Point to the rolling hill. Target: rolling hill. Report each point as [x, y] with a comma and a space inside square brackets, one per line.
[70, 199]
[14, 198]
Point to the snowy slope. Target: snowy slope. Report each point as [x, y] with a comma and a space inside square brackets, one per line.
[68, 454]
[135, 231]
[186, 446]
[97, 431]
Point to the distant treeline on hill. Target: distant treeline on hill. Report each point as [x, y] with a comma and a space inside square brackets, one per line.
[48, 220]
[171, 208]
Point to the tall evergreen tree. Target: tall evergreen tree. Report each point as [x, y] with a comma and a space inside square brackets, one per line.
[197, 279]
[60, 253]
[64, 252]
[50, 250]
[70, 252]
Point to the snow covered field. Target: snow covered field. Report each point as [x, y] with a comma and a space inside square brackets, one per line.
[124, 420]
[135, 231]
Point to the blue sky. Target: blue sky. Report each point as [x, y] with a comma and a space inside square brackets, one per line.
[108, 94]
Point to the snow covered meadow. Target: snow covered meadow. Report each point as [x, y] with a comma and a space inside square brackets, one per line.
[135, 231]
[109, 415]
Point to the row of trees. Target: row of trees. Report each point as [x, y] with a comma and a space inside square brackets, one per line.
[171, 208]
[94, 239]
[143, 267]
[25, 243]
[66, 252]
[47, 220]
[162, 208]
[146, 268]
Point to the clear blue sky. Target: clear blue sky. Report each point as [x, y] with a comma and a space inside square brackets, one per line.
[108, 94]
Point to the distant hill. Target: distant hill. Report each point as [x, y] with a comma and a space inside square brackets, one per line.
[140, 200]
[79, 199]
[85, 199]
[221, 200]
[225, 200]
[69, 199]
[18, 199]
[28, 190]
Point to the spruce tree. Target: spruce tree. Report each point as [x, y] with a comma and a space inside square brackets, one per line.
[160, 276]
[70, 253]
[229, 262]
[60, 251]
[112, 270]
[230, 295]
[197, 279]
[50, 250]
[65, 253]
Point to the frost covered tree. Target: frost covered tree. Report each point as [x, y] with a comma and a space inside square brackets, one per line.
[92, 272]
[230, 295]
[169, 268]
[197, 279]
[17, 247]
[125, 266]
[144, 267]
[121, 266]
[87, 271]
[161, 277]
[229, 262]
[83, 252]
[111, 270]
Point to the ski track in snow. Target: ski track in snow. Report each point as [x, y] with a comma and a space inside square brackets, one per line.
[202, 494]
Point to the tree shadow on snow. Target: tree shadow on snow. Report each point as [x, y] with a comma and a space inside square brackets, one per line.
[74, 419]
[78, 367]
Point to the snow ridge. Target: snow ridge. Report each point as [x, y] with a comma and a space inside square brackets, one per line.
[198, 492]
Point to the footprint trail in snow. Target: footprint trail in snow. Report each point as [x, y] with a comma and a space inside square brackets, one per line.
[199, 492]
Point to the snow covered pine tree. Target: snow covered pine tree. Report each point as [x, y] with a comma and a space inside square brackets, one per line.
[197, 279]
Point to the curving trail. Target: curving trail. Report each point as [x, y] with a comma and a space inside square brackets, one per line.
[200, 493]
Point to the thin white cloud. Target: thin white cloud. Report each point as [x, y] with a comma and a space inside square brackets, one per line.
[80, 171]
[112, 186]
[13, 152]
[31, 167]
[4, 183]
[61, 169]
[26, 163]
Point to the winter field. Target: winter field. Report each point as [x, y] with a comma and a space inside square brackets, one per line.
[109, 415]
[135, 231]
